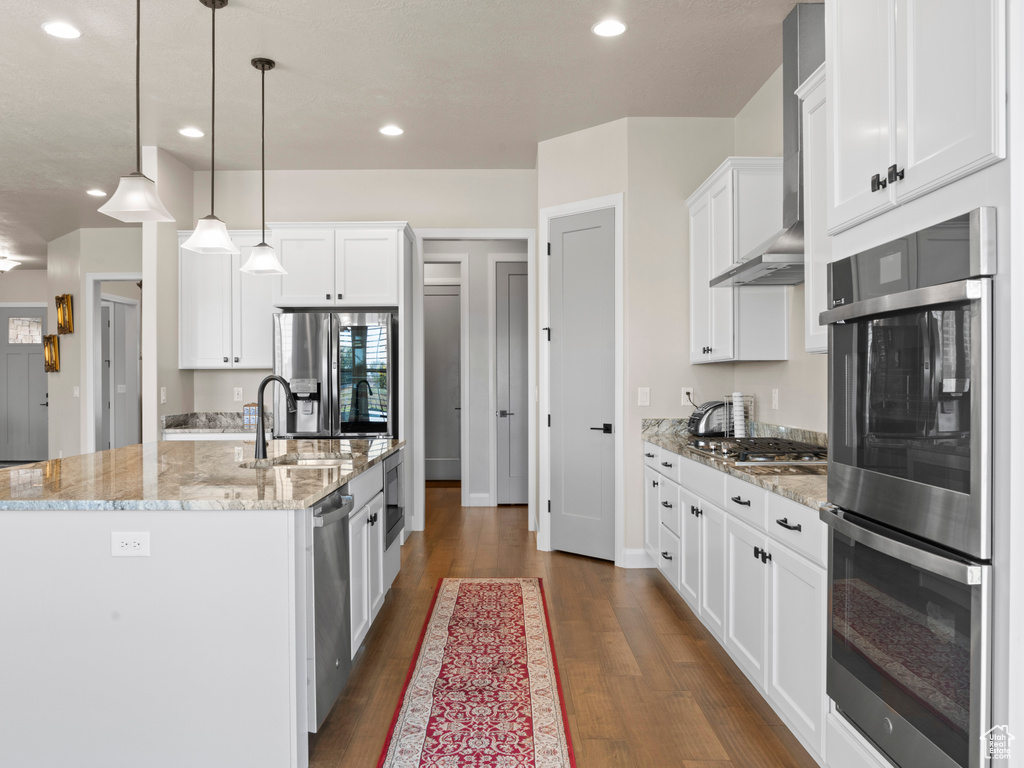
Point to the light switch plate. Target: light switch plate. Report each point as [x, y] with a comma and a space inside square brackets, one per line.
[775, 399]
[122, 389]
[78, 392]
[643, 396]
[163, 394]
[238, 394]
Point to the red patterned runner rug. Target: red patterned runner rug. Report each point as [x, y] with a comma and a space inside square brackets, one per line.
[483, 691]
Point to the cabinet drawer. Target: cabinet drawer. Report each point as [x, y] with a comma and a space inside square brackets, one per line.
[847, 749]
[651, 455]
[668, 506]
[704, 481]
[797, 526]
[746, 501]
[669, 464]
[669, 557]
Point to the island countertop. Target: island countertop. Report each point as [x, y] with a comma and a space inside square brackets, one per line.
[187, 475]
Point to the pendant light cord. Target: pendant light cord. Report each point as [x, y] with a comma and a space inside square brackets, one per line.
[213, 99]
[138, 58]
[263, 150]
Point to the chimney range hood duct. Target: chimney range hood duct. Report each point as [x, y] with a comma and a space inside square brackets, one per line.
[780, 260]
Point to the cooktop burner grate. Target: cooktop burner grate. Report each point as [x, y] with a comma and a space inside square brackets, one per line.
[761, 450]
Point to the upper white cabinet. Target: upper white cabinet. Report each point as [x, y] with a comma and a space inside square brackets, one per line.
[817, 244]
[225, 316]
[341, 265]
[736, 209]
[917, 94]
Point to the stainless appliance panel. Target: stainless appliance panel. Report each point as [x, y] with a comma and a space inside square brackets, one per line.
[300, 346]
[364, 360]
[908, 646]
[330, 635]
[394, 497]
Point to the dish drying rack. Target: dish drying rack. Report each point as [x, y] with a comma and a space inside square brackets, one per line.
[732, 406]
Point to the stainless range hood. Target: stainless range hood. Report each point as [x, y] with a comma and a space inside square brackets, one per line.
[780, 260]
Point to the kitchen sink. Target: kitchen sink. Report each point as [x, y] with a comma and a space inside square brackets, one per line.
[300, 461]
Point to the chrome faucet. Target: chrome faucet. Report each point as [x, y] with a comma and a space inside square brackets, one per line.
[362, 413]
[261, 438]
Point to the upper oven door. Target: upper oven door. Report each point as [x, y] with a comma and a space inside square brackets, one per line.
[909, 412]
[908, 644]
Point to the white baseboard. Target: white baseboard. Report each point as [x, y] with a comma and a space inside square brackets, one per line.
[635, 558]
[477, 500]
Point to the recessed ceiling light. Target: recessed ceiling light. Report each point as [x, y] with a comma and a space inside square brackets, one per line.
[61, 29]
[391, 130]
[608, 28]
[96, 192]
[192, 133]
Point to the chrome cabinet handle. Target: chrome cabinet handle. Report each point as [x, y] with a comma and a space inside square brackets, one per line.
[740, 501]
[784, 522]
[666, 555]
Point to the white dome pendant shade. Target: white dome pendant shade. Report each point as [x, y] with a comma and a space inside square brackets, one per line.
[211, 235]
[263, 260]
[136, 199]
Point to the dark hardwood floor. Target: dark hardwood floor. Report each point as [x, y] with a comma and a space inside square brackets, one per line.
[646, 685]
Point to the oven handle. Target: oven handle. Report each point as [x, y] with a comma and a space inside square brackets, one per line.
[963, 290]
[962, 573]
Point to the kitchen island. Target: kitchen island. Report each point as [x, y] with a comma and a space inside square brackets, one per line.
[193, 652]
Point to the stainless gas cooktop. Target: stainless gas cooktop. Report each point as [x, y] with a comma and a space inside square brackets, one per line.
[760, 451]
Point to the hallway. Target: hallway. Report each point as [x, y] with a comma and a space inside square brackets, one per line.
[646, 685]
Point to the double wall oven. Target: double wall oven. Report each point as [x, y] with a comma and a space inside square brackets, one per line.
[909, 485]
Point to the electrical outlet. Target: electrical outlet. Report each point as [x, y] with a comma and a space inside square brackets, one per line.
[643, 396]
[687, 397]
[78, 391]
[122, 389]
[238, 394]
[163, 394]
[129, 543]
[775, 399]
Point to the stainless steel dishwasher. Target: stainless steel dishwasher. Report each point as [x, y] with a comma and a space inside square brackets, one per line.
[328, 631]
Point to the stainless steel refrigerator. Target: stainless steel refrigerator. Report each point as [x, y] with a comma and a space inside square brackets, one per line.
[343, 370]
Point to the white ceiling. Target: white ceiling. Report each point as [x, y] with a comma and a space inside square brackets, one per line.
[475, 84]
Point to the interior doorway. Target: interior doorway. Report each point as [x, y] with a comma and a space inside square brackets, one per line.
[442, 386]
[24, 417]
[511, 381]
[120, 398]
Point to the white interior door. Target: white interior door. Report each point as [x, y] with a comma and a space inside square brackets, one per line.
[511, 381]
[441, 377]
[582, 383]
[106, 380]
[23, 432]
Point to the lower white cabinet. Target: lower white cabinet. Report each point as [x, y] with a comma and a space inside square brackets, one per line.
[795, 679]
[751, 565]
[712, 571]
[366, 567]
[745, 602]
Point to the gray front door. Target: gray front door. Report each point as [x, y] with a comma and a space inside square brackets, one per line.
[441, 356]
[512, 382]
[582, 381]
[23, 432]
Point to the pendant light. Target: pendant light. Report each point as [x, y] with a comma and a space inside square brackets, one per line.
[136, 199]
[211, 235]
[262, 260]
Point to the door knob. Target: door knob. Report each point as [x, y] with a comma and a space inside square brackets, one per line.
[503, 414]
[606, 428]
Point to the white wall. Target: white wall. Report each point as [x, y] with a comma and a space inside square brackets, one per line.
[477, 484]
[22, 284]
[424, 198]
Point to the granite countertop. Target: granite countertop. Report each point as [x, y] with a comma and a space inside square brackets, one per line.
[802, 484]
[208, 422]
[191, 475]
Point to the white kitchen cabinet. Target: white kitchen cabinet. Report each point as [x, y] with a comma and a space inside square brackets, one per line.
[817, 243]
[917, 94]
[736, 209]
[342, 265]
[359, 575]
[651, 518]
[746, 585]
[225, 316]
[307, 254]
[366, 567]
[712, 569]
[795, 675]
[375, 580]
[690, 567]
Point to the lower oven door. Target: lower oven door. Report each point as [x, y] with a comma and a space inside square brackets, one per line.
[908, 644]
